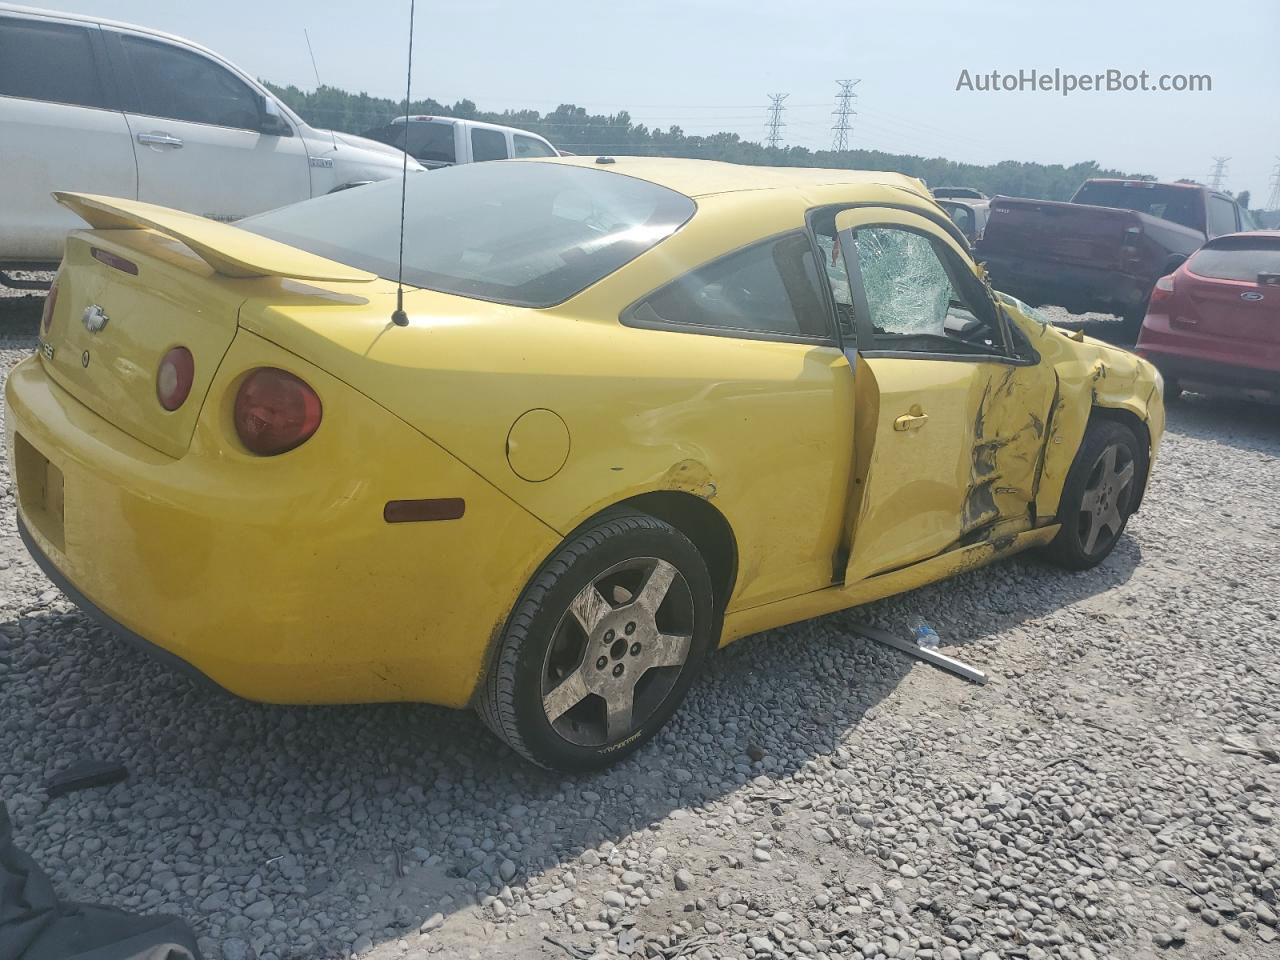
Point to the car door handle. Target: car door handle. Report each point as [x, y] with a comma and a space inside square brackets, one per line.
[910, 421]
[159, 140]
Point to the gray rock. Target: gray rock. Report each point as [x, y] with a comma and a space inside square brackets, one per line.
[259, 910]
[433, 922]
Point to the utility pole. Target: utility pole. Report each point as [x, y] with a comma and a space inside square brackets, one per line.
[774, 125]
[844, 114]
[1273, 203]
[1219, 173]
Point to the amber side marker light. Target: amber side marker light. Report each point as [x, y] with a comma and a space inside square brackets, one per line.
[418, 511]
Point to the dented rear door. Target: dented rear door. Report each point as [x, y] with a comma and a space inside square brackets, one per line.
[951, 425]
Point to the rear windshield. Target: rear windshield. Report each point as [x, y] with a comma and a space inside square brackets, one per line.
[1179, 204]
[530, 234]
[1237, 258]
[429, 140]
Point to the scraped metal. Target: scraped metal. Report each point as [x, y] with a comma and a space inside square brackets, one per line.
[929, 656]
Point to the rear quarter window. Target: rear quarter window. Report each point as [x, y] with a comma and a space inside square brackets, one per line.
[49, 61]
[1237, 258]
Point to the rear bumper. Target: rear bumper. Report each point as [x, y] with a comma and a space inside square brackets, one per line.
[276, 578]
[1076, 287]
[102, 618]
[1211, 360]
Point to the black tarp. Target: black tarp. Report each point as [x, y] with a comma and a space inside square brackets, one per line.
[36, 925]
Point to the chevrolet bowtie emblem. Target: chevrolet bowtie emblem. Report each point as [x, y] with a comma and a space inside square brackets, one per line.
[94, 318]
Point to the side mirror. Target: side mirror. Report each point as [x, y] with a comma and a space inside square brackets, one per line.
[273, 122]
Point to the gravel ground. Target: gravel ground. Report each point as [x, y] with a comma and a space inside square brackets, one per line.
[1110, 793]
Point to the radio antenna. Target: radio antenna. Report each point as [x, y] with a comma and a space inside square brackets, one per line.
[399, 317]
[333, 137]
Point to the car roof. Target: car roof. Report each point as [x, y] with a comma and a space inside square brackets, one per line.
[701, 178]
[106, 22]
[484, 125]
[1145, 182]
[1245, 235]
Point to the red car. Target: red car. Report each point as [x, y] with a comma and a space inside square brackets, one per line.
[1215, 321]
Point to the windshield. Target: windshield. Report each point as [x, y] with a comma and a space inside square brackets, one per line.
[1179, 204]
[525, 233]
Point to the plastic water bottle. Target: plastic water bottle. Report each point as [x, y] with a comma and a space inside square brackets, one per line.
[924, 635]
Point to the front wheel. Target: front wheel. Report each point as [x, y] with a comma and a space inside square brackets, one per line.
[602, 646]
[1099, 495]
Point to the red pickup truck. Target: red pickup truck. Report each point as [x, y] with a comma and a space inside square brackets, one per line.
[1105, 249]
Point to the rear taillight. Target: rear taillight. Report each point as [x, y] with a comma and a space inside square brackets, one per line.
[1162, 292]
[275, 411]
[173, 379]
[46, 316]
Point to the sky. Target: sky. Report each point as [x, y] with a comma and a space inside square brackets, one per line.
[709, 65]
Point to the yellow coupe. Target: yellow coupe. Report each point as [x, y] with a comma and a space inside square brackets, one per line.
[633, 409]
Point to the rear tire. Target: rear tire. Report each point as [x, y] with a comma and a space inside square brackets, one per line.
[1098, 497]
[602, 646]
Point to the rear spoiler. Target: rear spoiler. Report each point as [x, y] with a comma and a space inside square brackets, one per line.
[231, 251]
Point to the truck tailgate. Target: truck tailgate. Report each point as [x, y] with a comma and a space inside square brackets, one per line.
[1099, 237]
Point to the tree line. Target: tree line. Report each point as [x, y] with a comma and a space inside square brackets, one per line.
[573, 129]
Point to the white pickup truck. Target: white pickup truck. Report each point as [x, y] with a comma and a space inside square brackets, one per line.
[101, 107]
[445, 141]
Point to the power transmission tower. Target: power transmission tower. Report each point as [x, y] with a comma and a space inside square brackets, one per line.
[1273, 203]
[1219, 172]
[774, 125]
[844, 114]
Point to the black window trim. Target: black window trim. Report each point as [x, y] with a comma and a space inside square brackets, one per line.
[628, 316]
[113, 101]
[861, 307]
[132, 101]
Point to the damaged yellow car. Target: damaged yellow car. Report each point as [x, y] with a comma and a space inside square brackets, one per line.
[632, 409]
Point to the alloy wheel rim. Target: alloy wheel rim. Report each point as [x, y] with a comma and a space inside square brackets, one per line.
[617, 652]
[1105, 503]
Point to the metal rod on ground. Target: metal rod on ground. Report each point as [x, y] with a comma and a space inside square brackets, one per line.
[929, 656]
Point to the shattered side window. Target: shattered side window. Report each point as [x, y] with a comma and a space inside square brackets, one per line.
[908, 290]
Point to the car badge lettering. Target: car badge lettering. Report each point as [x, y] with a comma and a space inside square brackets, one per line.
[94, 318]
[1251, 295]
[323, 163]
[47, 349]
